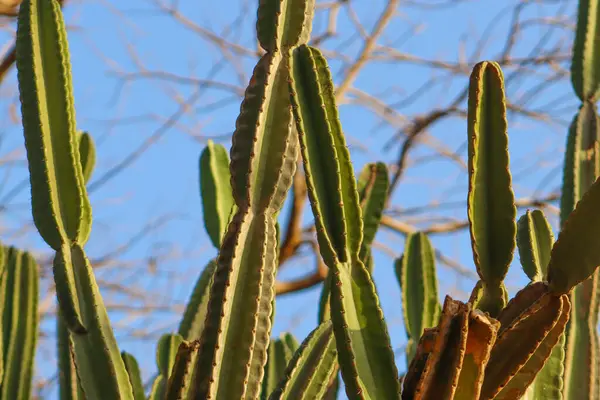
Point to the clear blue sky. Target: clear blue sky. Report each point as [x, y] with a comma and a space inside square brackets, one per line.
[164, 180]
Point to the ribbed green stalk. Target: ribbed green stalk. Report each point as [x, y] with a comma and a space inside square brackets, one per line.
[284, 23]
[61, 209]
[166, 352]
[19, 324]
[582, 167]
[281, 351]
[576, 255]
[373, 186]
[313, 366]
[99, 364]
[68, 384]
[535, 240]
[582, 161]
[135, 376]
[158, 389]
[234, 342]
[215, 188]
[87, 154]
[60, 206]
[365, 355]
[416, 274]
[329, 172]
[491, 201]
[3, 259]
[585, 68]
[194, 316]
[69, 387]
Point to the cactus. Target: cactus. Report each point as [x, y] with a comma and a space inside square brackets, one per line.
[491, 201]
[488, 347]
[263, 162]
[217, 202]
[69, 386]
[135, 378]
[373, 184]
[60, 206]
[19, 323]
[311, 368]
[166, 353]
[281, 352]
[531, 324]
[180, 379]
[416, 274]
[363, 344]
[87, 155]
[535, 240]
[581, 168]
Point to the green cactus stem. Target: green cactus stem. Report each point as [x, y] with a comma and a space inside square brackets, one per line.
[311, 368]
[19, 324]
[362, 340]
[234, 342]
[416, 274]
[281, 352]
[215, 187]
[491, 201]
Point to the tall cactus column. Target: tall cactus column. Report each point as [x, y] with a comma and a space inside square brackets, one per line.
[491, 201]
[363, 344]
[61, 208]
[234, 342]
[582, 167]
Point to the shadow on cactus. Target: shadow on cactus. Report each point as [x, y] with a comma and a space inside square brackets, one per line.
[487, 348]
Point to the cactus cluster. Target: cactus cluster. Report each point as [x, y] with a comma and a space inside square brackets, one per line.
[541, 344]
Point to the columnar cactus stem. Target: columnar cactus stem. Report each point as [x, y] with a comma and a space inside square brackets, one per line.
[582, 167]
[234, 342]
[363, 344]
[19, 324]
[491, 201]
[60, 206]
[416, 273]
